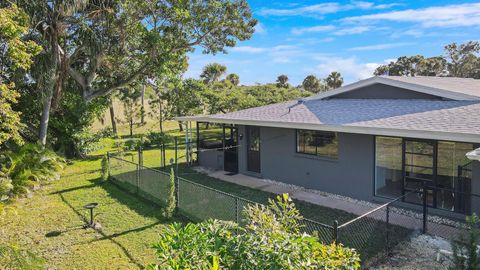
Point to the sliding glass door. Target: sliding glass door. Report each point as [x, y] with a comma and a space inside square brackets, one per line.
[404, 166]
[419, 170]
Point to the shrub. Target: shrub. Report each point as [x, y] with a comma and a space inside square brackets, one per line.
[86, 142]
[169, 210]
[465, 251]
[105, 168]
[157, 138]
[132, 144]
[271, 240]
[29, 166]
[6, 186]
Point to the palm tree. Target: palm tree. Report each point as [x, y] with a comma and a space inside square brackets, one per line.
[213, 72]
[233, 78]
[282, 81]
[334, 80]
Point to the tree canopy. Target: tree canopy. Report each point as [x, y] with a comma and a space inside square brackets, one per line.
[16, 58]
[460, 60]
[213, 72]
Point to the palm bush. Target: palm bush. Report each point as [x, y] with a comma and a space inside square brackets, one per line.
[28, 167]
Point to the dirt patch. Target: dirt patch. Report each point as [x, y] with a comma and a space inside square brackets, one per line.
[418, 253]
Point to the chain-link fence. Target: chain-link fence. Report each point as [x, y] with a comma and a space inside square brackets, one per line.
[195, 201]
[372, 234]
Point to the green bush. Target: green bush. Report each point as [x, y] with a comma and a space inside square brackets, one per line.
[157, 138]
[271, 240]
[465, 249]
[86, 142]
[29, 166]
[169, 210]
[132, 144]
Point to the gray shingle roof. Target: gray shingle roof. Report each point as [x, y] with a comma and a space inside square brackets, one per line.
[440, 116]
[446, 87]
[456, 119]
[466, 86]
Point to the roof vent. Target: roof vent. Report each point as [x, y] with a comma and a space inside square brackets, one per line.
[299, 102]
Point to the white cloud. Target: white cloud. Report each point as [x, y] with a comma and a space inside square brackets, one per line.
[350, 68]
[353, 30]
[313, 29]
[318, 10]
[383, 46]
[440, 16]
[248, 49]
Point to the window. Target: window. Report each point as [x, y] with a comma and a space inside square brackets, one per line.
[319, 143]
[388, 167]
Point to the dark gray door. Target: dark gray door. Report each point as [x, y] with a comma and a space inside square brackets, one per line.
[253, 149]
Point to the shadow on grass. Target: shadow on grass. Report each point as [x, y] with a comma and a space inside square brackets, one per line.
[138, 205]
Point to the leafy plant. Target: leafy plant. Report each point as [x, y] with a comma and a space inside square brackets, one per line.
[270, 241]
[158, 138]
[105, 168]
[29, 166]
[465, 250]
[169, 210]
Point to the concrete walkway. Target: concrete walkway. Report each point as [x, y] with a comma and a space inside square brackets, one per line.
[294, 192]
[353, 206]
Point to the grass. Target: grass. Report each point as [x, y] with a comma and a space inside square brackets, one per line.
[50, 223]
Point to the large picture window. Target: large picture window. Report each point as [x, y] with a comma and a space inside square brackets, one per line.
[319, 143]
[407, 165]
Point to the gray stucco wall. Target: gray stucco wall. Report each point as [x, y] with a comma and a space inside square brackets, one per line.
[382, 91]
[350, 175]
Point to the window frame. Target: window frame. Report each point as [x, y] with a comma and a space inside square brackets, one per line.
[297, 145]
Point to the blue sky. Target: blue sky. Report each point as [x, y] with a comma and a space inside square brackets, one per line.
[298, 38]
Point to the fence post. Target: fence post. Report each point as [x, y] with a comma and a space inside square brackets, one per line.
[424, 230]
[138, 178]
[387, 224]
[335, 231]
[237, 214]
[176, 155]
[140, 156]
[108, 164]
[164, 158]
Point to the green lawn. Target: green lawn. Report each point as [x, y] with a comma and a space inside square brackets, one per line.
[50, 223]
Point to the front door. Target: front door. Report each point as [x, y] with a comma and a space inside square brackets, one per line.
[230, 149]
[419, 170]
[253, 149]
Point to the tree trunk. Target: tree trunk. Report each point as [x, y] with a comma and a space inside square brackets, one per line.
[180, 126]
[47, 104]
[112, 117]
[161, 116]
[51, 82]
[142, 116]
[131, 127]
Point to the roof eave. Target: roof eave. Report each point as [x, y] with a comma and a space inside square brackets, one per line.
[394, 132]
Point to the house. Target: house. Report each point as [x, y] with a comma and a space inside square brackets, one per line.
[374, 140]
